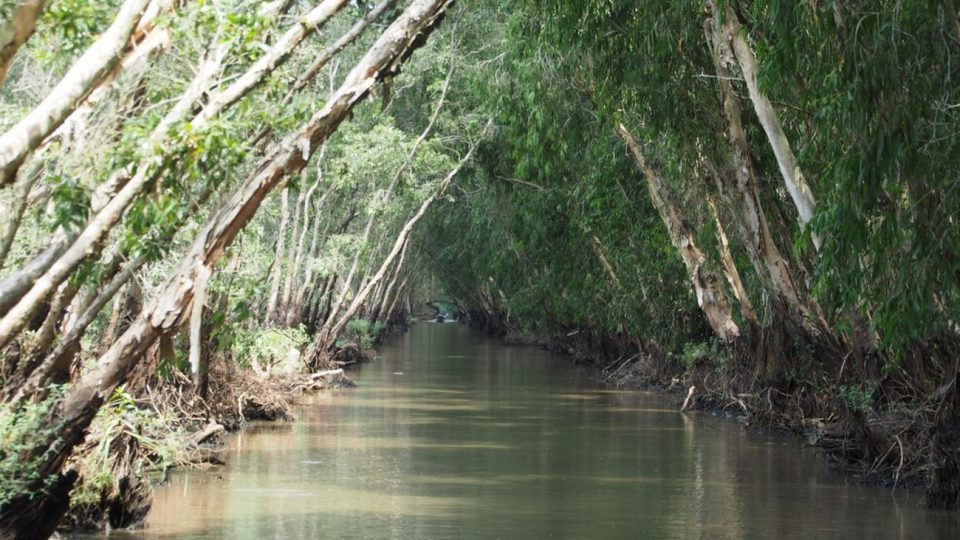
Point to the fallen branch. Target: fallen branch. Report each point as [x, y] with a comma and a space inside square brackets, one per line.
[326, 373]
[206, 433]
[686, 401]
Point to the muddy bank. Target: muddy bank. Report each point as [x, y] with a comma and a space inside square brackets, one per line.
[162, 422]
[136, 441]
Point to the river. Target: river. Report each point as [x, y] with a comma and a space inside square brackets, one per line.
[452, 435]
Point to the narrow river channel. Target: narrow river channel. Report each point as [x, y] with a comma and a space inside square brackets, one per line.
[451, 435]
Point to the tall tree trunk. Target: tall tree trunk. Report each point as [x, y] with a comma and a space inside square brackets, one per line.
[730, 271]
[296, 308]
[198, 366]
[388, 290]
[18, 142]
[774, 270]
[33, 512]
[16, 31]
[796, 184]
[710, 296]
[277, 275]
[391, 310]
[296, 243]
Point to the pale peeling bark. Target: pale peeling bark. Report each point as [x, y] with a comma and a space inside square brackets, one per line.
[16, 31]
[289, 303]
[88, 242]
[277, 274]
[95, 64]
[196, 324]
[346, 39]
[796, 184]
[74, 412]
[147, 41]
[730, 271]
[774, 270]
[289, 273]
[710, 296]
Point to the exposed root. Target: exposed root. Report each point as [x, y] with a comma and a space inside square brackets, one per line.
[889, 444]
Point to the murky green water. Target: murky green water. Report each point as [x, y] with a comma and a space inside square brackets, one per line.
[454, 436]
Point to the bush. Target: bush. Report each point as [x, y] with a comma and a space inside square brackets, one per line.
[859, 398]
[362, 333]
[269, 346]
[20, 434]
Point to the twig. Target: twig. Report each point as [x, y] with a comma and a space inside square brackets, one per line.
[896, 477]
[622, 365]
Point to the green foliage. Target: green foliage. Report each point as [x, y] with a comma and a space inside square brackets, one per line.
[76, 23]
[697, 352]
[859, 398]
[268, 346]
[22, 431]
[70, 202]
[361, 332]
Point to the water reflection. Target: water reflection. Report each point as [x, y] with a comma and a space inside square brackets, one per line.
[480, 440]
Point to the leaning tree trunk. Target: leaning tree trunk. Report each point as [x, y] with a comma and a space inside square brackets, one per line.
[773, 269]
[30, 285]
[306, 253]
[291, 267]
[710, 296]
[377, 310]
[88, 242]
[23, 138]
[147, 40]
[730, 271]
[35, 512]
[21, 197]
[55, 367]
[796, 184]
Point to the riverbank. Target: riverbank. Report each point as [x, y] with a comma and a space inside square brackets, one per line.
[889, 434]
[162, 422]
[450, 434]
[166, 424]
